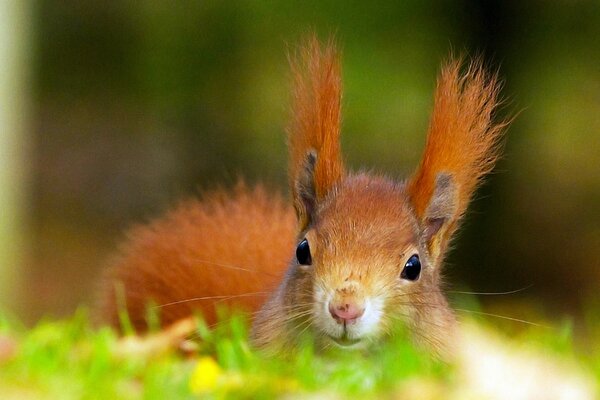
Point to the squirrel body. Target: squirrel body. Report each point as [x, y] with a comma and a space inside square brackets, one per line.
[354, 255]
[200, 254]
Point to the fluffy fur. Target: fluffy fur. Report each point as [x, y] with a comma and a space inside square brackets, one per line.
[228, 248]
[463, 140]
[314, 129]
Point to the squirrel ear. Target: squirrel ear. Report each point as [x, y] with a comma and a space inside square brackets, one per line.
[440, 214]
[462, 147]
[313, 133]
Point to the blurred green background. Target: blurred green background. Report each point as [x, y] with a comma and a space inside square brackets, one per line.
[132, 105]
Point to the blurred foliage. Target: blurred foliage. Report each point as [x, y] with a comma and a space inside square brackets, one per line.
[67, 359]
[138, 103]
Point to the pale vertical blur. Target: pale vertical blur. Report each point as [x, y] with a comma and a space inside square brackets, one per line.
[13, 141]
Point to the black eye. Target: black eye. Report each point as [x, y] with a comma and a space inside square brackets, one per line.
[303, 253]
[412, 268]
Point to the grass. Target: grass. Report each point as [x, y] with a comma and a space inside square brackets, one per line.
[67, 359]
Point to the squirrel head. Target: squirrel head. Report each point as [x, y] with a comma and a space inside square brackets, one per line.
[370, 250]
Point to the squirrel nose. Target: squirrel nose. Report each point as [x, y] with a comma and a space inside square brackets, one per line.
[346, 312]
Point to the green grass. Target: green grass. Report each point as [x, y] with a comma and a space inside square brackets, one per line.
[68, 359]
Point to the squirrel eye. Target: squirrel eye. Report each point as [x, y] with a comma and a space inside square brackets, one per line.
[412, 268]
[303, 253]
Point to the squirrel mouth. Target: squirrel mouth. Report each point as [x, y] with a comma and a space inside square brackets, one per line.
[345, 341]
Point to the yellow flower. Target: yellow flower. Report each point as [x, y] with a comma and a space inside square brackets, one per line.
[205, 375]
[285, 385]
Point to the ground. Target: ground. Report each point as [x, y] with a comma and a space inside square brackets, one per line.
[68, 359]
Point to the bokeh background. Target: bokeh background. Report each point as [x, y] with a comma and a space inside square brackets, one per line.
[114, 110]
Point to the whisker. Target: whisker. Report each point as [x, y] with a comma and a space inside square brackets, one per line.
[503, 317]
[415, 293]
[234, 267]
[308, 322]
[290, 307]
[492, 293]
[288, 318]
[221, 297]
[398, 317]
[296, 316]
[433, 305]
[432, 342]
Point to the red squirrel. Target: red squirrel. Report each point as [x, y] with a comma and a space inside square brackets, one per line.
[353, 254]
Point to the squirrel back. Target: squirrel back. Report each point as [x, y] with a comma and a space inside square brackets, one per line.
[229, 248]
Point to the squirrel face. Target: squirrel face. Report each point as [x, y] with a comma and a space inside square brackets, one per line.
[361, 241]
[368, 265]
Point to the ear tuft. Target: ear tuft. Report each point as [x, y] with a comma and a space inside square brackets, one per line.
[313, 134]
[462, 146]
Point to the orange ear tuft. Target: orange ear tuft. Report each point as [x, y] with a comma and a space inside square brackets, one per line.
[462, 142]
[313, 135]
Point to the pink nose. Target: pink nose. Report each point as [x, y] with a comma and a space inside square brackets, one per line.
[346, 312]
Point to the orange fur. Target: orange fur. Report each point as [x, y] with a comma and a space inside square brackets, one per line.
[315, 122]
[225, 245]
[462, 139]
